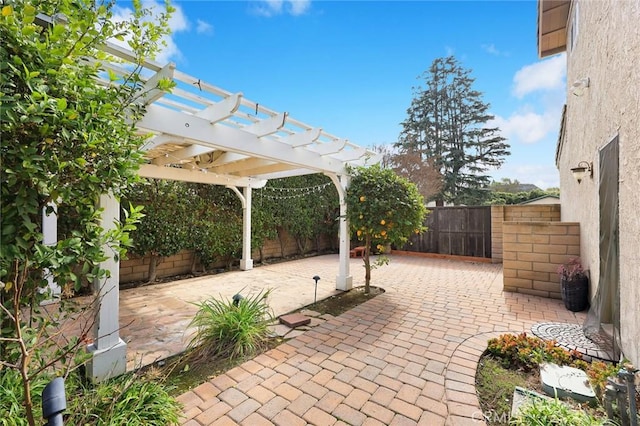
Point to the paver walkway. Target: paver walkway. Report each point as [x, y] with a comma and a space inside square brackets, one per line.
[406, 357]
[154, 319]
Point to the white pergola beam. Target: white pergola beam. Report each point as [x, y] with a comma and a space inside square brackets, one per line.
[303, 138]
[245, 164]
[267, 126]
[182, 154]
[156, 141]
[267, 168]
[181, 125]
[150, 91]
[329, 147]
[221, 110]
[288, 173]
[197, 176]
[351, 155]
[228, 157]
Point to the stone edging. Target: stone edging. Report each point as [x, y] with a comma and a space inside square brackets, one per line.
[460, 380]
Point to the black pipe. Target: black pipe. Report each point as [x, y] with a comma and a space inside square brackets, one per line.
[54, 402]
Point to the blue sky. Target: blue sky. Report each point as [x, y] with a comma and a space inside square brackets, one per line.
[350, 66]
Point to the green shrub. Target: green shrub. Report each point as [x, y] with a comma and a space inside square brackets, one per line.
[130, 400]
[546, 412]
[12, 412]
[526, 352]
[227, 330]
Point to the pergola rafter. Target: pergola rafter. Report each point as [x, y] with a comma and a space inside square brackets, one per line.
[201, 133]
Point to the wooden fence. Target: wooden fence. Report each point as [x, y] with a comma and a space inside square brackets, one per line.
[460, 231]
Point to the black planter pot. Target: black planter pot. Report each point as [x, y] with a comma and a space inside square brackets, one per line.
[575, 294]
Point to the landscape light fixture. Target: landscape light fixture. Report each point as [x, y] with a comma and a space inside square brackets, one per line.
[584, 168]
[316, 278]
[236, 299]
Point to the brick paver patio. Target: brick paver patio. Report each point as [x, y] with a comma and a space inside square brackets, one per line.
[406, 357]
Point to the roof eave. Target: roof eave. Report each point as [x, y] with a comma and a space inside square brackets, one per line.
[553, 18]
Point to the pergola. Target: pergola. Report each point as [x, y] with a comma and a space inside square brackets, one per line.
[201, 133]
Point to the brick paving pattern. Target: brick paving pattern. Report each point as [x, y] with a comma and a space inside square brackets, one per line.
[572, 337]
[406, 357]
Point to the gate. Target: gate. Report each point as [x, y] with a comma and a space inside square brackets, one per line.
[461, 231]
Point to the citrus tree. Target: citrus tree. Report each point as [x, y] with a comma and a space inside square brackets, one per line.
[66, 139]
[382, 208]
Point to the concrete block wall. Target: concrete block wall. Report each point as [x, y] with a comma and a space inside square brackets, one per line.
[532, 252]
[136, 268]
[511, 213]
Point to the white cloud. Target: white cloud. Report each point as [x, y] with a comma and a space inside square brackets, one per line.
[527, 126]
[269, 8]
[543, 176]
[545, 75]
[203, 27]
[178, 22]
[493, 50]
[299, 7]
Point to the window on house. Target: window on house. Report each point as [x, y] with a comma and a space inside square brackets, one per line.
[573, 30]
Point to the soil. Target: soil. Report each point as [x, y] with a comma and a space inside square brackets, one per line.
[342, 302]
[495, 385]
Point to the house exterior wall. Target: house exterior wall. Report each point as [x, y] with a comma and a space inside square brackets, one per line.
[607, 51]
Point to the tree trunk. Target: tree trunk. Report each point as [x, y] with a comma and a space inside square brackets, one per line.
[153, 267]
[194, 260]
[367, 264]
[280, 232]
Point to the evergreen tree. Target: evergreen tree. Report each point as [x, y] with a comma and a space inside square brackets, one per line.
[446, 124]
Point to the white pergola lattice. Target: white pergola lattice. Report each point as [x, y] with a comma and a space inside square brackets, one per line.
[201, 133]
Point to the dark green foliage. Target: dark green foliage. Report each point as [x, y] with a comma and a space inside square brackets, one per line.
[164, 228]
[303, 205]
[12, 396]
[500, 198]
[66, 139]
[129, 400]
[447, 124]
[227, 330]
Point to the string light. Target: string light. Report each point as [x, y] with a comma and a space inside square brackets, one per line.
[291, 193]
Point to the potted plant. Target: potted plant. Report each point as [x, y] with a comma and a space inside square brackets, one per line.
[574, 285]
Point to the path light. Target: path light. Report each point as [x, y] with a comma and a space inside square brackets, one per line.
[236, 299]
[54, 402]
[316, 278]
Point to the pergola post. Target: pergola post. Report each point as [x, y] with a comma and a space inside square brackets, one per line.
[344, 280]
[109, 352]
[246, 263]
[50, 238]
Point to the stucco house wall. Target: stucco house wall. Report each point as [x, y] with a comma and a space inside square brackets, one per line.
[606, 50]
